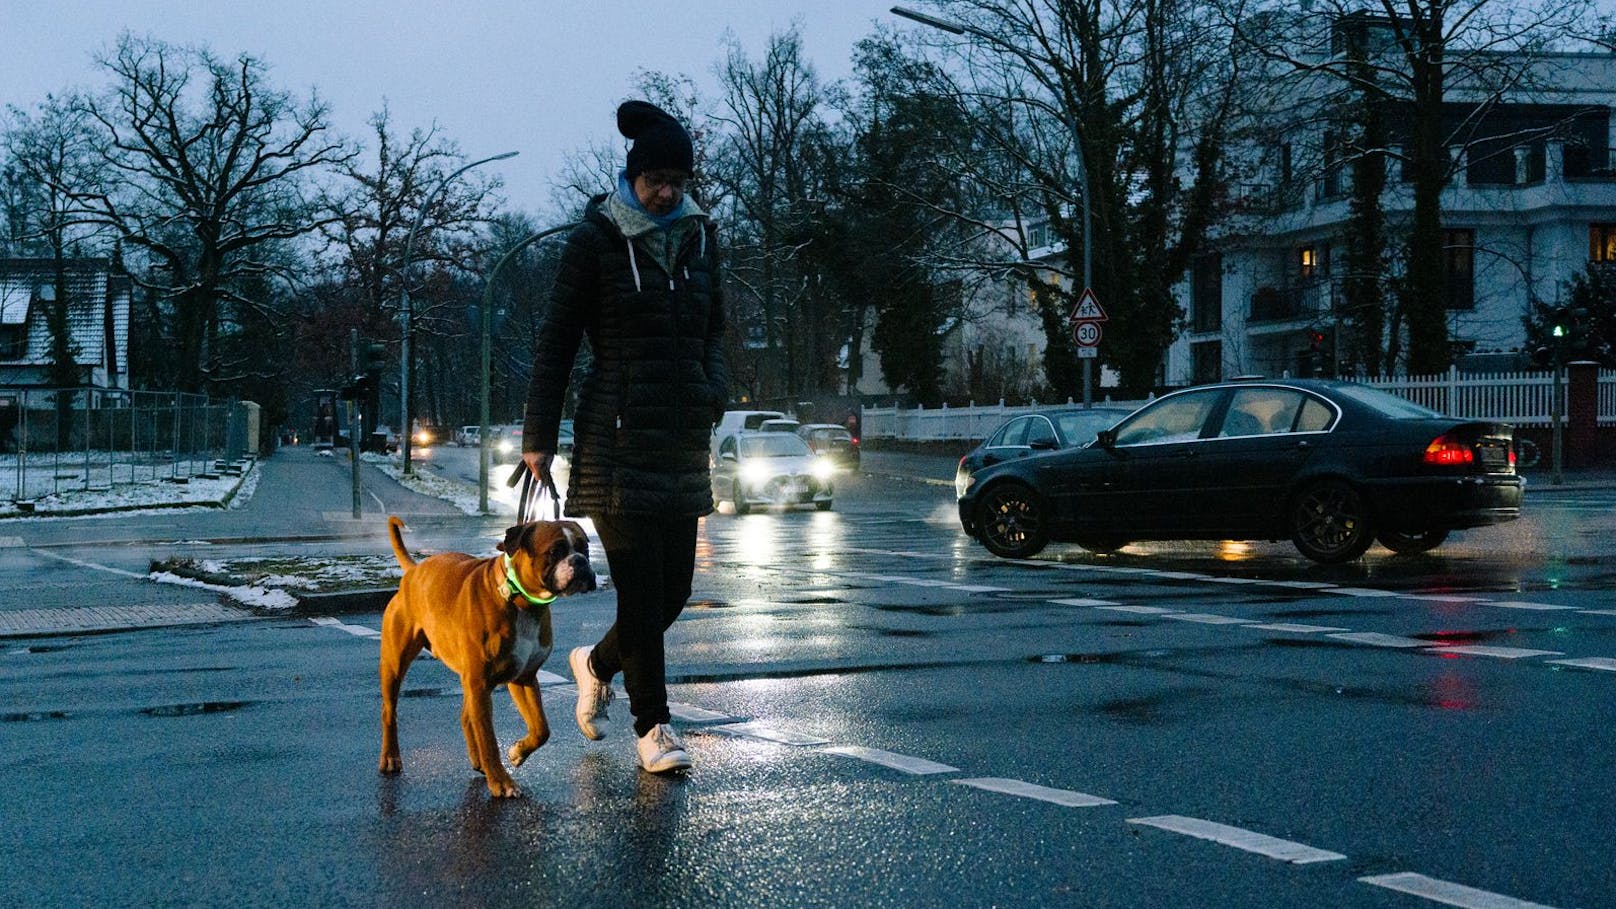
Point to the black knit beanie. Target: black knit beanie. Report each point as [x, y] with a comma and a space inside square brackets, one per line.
[659, 141]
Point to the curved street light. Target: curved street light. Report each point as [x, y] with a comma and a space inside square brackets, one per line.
[406, 317]
[1070, 120]
[487, 357]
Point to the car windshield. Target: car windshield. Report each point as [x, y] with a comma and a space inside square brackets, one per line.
[1385, 402]
[832, 435]
[773, 445]
[1081, 426]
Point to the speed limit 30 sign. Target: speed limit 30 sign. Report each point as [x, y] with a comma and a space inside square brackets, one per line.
[1086, 334]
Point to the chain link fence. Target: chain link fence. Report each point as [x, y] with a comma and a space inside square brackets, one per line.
[59, 440]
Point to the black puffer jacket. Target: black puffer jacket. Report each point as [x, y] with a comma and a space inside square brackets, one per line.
[658, 380]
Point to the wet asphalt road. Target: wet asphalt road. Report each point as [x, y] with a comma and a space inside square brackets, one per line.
[1396, 723]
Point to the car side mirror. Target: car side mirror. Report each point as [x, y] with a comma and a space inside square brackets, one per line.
[1106, 439]
[727, 456]
[1042, 445]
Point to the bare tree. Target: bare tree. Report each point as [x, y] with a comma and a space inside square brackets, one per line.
[208, 170]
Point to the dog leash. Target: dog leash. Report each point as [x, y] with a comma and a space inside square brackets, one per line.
[526, 501]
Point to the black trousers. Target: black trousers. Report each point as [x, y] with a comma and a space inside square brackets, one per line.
[652, 560]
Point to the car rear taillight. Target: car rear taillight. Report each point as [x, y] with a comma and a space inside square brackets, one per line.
[1445, 451]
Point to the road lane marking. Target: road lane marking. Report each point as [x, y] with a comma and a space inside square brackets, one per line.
[1248, 840]
[1141, 610]
[690, 713]
[1503, 653]
[1376, 639]
[977, 588]
[1361, 592]
[1066, 797]
[1516, 604]
[760, 730]
[1299, 629]
[1442, 597]
[1605, 663]
[1175, 575]
[1597, 611]
[1206, 618]
[544, 677]
[903, 762]
[1080, 601]
[98, 567]
[1447, 892]
[358, 631]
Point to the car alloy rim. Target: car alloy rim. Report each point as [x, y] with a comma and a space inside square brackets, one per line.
[1330, 523]
[1014, 519]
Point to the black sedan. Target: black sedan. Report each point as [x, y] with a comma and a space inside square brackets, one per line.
[1332, 466]
[1054, 429]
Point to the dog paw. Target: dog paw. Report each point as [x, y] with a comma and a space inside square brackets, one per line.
[390, 764]
[506, 789]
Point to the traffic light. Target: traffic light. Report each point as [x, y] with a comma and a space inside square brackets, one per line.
[1560, 322]
[1315, 339]
[375, 358]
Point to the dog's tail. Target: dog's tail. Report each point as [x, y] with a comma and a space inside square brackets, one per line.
[395, 530]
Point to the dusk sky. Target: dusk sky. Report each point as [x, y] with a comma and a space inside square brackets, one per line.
[541, 77]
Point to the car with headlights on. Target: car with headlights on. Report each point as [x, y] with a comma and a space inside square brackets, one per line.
[1033, 432]
[756, 468]
[1333, 466]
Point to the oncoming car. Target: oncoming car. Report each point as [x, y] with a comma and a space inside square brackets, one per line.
[1332, 466]
[770, 468]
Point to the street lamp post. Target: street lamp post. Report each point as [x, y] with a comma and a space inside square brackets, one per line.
[959, 28]
[487, 356]
[406, 316]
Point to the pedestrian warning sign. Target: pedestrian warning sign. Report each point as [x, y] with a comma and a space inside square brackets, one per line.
[1088, 308]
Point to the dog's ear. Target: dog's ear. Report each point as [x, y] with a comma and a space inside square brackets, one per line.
[513, 539]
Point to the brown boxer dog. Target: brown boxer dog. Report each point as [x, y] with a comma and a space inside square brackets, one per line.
[489, 621]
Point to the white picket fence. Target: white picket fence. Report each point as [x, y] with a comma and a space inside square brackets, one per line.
[1518, 398]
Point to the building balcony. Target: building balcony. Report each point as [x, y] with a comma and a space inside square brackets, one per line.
[1283, 306]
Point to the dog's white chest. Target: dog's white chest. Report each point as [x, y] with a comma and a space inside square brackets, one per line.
[529, 650]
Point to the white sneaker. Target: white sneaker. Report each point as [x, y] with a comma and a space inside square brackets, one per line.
[661, 751]
[593, 695]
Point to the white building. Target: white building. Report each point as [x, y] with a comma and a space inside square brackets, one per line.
[1532, 202]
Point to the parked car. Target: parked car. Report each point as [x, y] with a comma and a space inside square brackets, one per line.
[1333, 466]
[469, 436]
[770, 468]
[1054, 429]
[829, 440]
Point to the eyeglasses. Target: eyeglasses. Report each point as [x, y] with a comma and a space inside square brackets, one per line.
[665, 180]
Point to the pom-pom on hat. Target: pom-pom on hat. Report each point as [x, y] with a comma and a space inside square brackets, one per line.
[660, 142]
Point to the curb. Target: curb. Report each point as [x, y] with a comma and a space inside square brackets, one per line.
[343, 602]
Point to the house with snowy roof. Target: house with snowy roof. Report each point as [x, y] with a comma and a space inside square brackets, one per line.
[98, 299]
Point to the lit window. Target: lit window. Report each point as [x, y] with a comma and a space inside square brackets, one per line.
[1307, 261]
[1602, 243]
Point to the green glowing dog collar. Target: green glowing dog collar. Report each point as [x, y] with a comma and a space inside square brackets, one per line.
[514, 588]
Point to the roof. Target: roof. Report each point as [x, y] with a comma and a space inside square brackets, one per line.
[92, 286]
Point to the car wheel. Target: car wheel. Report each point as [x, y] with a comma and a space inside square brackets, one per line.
[740, 500]
[823, 506]
[1102, 544]
[1012, 521]
[1330, 522]
[1412, 543]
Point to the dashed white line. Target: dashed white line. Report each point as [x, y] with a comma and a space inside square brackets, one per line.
[903, 762]
[1141, 610]
[1517, 604]
[1248, 840]
[690, 713]
[1605, 663]
[1206, 618]
[1503, 653]
[1066, 797]
[1597, 611]
[1447, 892]
[358, 631]
[1294, 628]
[1376, 639]
[759, 730]
[1361, 592]
[1081, 601]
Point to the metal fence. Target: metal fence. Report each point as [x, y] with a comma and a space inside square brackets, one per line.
[57, 440]
[1519, 398]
